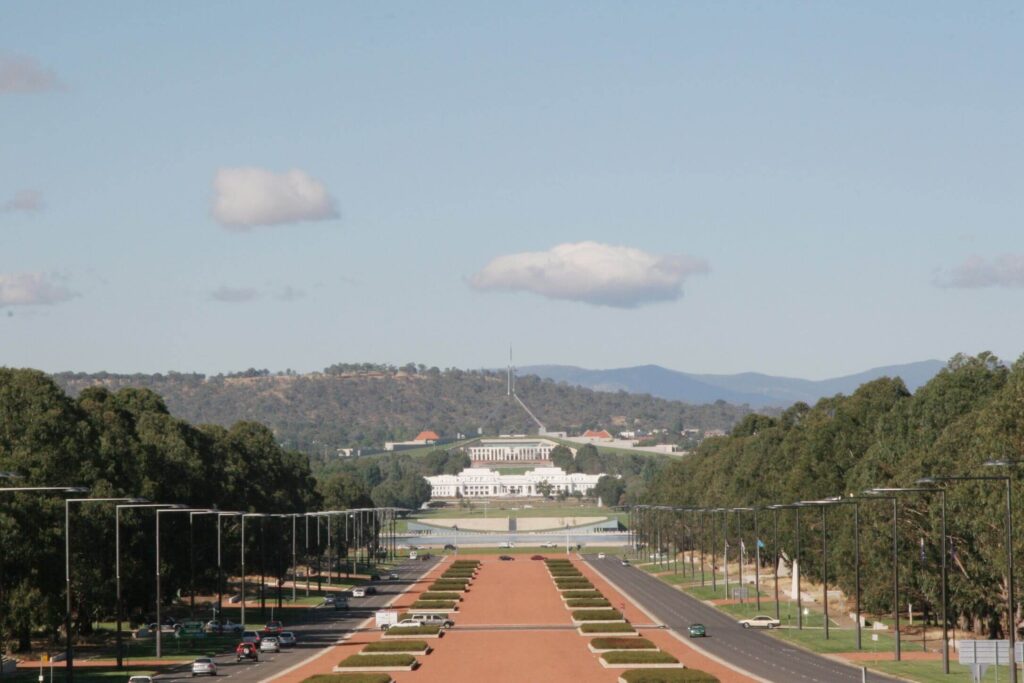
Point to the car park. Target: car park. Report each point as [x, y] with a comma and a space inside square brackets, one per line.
[204, 666]
[270, 644]
[760, 621]
[286, 638]
[697, 631]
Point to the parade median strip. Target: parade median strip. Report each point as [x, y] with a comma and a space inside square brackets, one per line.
[350, 678]
[415, 647]
[602, 645]
[667, 676]
[657, 659]
[384, 662]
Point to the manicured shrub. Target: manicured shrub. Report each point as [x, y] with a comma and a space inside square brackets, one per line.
[624, 657]
[621, 644]
[466, 563]
[400, 646]
[574, 595]
[434, 595]
[349, 678]
[433, 604]
[565, 573]
[597, 615]
[413, 630]
[573, 584]
[447, 586]
[378, 660]
[588, 602]
[607, 628]
[667, 676]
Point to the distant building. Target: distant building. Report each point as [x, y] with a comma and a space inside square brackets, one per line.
[424, 438]
[427, 437]
[514, 450]
[597, 435]
[477, 482]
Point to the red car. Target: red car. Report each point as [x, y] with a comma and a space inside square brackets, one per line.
[273, 627]
[247, 651]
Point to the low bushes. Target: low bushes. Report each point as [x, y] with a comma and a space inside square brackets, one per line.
[587, 602]
[623, 657]
[413, 631]
[434, 595]
[607, 628]
[667, 676]
[433, 604]
[349, 678]
[576, 595]
[456, 575]
[353, 661]
[400, 646]
[441, 586]
[573, 585]
[597, 615]
[621, 644]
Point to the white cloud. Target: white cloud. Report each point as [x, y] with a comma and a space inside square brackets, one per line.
[24, 200]
[31, 289]
[1005, 270]
[248, 196]
[22, 75]
[234, 295]
[591, 272]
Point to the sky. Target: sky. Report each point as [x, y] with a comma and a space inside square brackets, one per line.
[795, 188]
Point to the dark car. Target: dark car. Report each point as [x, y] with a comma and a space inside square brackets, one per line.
[449, 546]
[506, 558]
[537, 557]
[697, 631]
[247, 651]
[273, 627]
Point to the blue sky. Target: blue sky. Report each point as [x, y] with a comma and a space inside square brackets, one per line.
[806, 189]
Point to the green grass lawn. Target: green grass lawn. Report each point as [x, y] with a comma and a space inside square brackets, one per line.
[787, 613]
[931, 672]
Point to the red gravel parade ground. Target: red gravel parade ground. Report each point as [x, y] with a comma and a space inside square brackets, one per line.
[512, 627]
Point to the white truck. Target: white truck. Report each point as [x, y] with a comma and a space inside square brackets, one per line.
[385, 618]
[413, 554]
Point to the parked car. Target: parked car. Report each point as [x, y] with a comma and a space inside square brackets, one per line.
[402, 624]
[449, 546]
[548, 545]
[760, 621]
[329, 599]
[625, 562]
[340, 602]
[359, 592]
[697, 631]
[287, 639]
[247, 651]
[227, 627]
[273, 627]
[600, 556]
[204, 666]
[270, 644]
[506, 558]
[235, 599]
[431, 619]
[393, 576]
[506, 544]
[251, 637]
[537, 557]
[140, 679]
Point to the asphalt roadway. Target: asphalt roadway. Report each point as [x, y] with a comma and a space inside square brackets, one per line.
[757, 653]
[315, 628]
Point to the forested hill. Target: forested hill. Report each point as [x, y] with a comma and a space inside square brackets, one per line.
[348, 405]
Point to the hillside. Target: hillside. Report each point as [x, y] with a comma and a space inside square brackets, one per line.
[366, 405]
[752, 388]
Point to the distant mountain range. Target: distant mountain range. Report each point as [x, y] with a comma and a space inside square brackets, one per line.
[751, 388]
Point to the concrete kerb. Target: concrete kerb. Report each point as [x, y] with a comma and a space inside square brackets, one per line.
[348, 635]
[684, 641]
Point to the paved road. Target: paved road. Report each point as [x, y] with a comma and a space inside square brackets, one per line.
[755, 652]
[320, 627]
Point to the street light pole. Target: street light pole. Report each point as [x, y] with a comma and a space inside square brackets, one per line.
[159, 623]
[244, 516]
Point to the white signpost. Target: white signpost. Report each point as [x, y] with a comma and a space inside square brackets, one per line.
[979, 654]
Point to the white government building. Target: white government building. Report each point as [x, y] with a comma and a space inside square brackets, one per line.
[475, 482]
[510, 450]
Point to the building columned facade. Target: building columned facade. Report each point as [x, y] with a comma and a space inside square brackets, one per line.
[510, 450]
[476, 482]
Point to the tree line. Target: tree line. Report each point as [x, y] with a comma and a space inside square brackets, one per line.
[879, 436]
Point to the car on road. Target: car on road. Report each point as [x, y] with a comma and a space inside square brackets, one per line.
[548, 545]
[287, 639]
[505, 558]
[697, 631]
[363, 591]
[449, 546]
[506, 544]
[227, 627]
[393, 576]
[235, 599]
[140, 679]
[251, 637]
[431, 619]
[247, 651]
[625, 562]
[340, 602]
[404, 623]
[600, 556]
[270, 644]
[760, 621]
[204, 666]
[273, 627]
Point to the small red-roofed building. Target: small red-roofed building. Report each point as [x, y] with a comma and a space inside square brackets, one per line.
[427, 437]
[598, 435]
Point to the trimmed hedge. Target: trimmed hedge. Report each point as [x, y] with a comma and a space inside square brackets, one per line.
[349, 678]
[433, 604]
[566, 574]
[434, 595]
[400, 646]
[587, 602]
[378, 660]
[623, 657]
[578, 595]
[413, 630]
[440, 586]
[621, 644]
[574, 585]
[667, 676]
[607, 628]
[597, 615]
